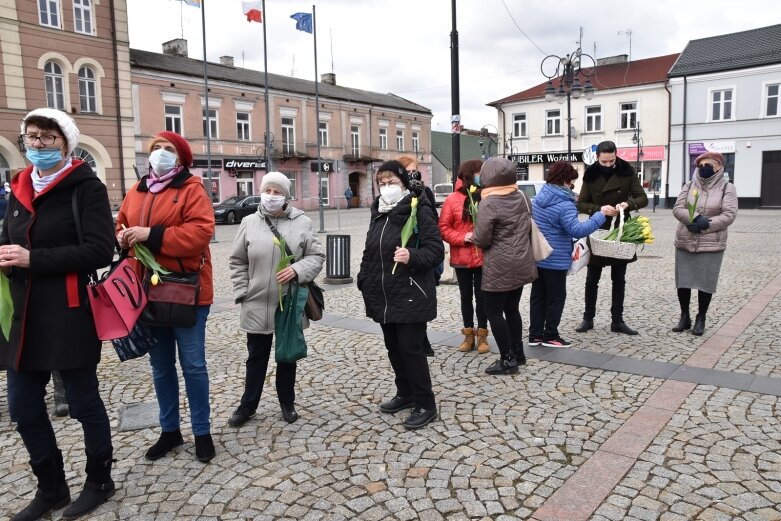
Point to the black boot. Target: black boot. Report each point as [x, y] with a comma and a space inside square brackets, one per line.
[699, 325]
[685, 322]
[98, 487]
[585, 326]
[204, 448]
[52, 492]
[167, 441]
[520, 356]
[503, 366]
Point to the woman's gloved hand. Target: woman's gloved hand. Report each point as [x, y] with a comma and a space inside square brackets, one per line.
[702, 222]
[693, 227]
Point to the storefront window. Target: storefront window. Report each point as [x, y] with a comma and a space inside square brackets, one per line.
[244, 183]
[652, 175]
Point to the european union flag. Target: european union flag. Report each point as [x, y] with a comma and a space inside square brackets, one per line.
[303, 21]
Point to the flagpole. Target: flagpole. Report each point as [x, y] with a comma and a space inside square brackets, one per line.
[267, 136]
[317, 126]
[208, 119]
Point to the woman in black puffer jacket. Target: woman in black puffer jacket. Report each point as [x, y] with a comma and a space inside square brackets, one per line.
[402, 302]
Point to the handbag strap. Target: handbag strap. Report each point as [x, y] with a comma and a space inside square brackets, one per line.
[278, 236]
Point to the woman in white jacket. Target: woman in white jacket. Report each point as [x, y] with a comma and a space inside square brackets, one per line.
[253, 261]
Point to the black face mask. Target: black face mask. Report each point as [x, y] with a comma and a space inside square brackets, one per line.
[606, 169]
[706, 171]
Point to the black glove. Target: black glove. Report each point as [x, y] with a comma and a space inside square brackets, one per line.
[693, 227]
[702, 222]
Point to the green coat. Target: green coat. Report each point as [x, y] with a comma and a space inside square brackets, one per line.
[623, 186]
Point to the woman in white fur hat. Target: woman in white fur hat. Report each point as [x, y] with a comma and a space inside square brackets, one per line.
[253, 261]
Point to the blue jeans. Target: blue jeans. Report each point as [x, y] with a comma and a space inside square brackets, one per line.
[191, 343]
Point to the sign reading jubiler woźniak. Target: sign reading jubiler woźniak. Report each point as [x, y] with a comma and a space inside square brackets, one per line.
[535, 159]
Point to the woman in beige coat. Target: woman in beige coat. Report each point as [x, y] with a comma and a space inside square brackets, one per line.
[253, 261]
[700, 244]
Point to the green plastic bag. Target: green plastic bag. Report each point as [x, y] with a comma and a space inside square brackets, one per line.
[6, 306]
[289, 342]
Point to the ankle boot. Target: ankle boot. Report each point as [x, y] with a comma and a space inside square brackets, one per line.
[685, 322]
[482, 341]
[520, 356]
[699, 324]
[469, 340]
[52, 492]
[98, 487]
[167, 441]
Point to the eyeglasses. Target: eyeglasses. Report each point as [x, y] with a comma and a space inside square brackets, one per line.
[389, 183]
[48, 139]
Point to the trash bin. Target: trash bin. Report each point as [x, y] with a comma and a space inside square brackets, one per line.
[337, 259]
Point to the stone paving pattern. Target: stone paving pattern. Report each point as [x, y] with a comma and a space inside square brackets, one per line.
[503, 445]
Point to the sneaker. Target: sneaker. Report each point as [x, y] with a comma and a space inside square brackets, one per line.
[533, 342]
[240, 416]
[396, 404]
[419, 418]
[502, 367]
[556, 342]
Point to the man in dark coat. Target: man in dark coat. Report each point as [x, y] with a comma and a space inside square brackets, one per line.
[609, 181]
[48, 267]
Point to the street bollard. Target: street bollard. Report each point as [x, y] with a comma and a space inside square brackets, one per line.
[337, 259]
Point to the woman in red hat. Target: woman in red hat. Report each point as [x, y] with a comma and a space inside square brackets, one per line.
[700, 241]
[169, 212]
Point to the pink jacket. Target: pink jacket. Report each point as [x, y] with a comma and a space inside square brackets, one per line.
[453, 230]
[718, 202]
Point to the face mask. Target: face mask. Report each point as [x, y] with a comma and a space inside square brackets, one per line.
[477, 180]
[162, 161]
[272, 203]
[706, 171]
[605, 169]
[390, 194]
[44, 158]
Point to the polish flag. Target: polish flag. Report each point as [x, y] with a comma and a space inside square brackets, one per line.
[252, 10]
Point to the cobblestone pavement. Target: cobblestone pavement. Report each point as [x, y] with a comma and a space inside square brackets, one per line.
[503, 447]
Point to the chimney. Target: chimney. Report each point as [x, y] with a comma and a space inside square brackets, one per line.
[328, 77]
[610, 60]
[177, 47]
[226, 61]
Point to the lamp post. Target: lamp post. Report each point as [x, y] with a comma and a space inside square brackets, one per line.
[569, 70]
[638, 140]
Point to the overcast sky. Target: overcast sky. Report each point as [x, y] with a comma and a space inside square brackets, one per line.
[403, 46]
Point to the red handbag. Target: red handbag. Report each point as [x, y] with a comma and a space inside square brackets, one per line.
[117, 300]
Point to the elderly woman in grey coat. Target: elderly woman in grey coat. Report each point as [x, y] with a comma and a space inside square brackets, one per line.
[253, 261]
[700, 243]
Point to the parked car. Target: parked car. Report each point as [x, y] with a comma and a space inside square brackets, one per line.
[234, 209]
[532, 188]
[441, 191]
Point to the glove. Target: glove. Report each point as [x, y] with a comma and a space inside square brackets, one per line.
[702, 222]
[693, 227]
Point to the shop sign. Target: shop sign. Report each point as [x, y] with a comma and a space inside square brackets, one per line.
[722, 147]
[203, 163]
[648, 154]
[325, 166]
[534, 159]
[244, 163]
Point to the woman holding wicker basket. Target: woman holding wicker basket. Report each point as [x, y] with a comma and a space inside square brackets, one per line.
[609, 181]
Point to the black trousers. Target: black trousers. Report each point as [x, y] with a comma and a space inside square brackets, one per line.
[259, 349]
[618, 276]
[469, 281]
[501, 307]
[407, 354]
[27, 406]
[549, 292]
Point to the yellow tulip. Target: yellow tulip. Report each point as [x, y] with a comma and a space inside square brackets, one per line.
[414, 202]
[155, 279]
[695, 193]
[276, 241]
[473, 189]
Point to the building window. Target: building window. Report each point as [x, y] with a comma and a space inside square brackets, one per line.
[292, 178]
[82, 16]
[173, 118]
[80, 153]
[721, 105]
[52, 76]
[383, 139]
[415, 140]
[288, 136]
[242, 126]
[628, 116]
[87, 90]
[355, 140]
[519, 125]
[400, 140]
[593, 119]
[771, 101]
[49, 13]
[553, 122]
[322, 133]
[210, 123]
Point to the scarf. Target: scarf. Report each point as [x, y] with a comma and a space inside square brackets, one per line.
[384, 207]
[41, 183]
[158, 184]
[498, 190]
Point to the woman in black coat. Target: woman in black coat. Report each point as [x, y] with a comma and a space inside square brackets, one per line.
[48, 267]
[609, 181]
[402, 302]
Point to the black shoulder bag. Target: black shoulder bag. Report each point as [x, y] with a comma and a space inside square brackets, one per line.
[315, 303]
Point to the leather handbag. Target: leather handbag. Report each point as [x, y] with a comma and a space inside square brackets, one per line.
[116, 300]
[541, 249]
[173, 301]
[138, 343]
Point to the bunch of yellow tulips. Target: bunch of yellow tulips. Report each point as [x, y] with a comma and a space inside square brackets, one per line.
[636, 229]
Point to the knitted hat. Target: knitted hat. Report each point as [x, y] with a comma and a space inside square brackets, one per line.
[180, 144]
[497, 171]
[715, 156]
[277, 180]
[395, 168]
[67, 126]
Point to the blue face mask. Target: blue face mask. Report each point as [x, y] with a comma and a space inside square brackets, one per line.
[477, 180]
[44, 158]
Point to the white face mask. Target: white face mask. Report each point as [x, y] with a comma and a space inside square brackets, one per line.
[272, 203]
[162, 161]
[390, 193]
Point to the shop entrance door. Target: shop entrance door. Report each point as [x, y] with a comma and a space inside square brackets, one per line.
[770, 196]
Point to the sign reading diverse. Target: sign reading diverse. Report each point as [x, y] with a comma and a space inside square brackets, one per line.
[325, 166]
[244, 163]
[543, 157]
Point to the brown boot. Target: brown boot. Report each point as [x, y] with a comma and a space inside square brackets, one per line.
[469, 340]
[482, 341]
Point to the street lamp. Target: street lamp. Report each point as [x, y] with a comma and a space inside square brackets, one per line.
[485, 135]
[569, 70]
[638, 140]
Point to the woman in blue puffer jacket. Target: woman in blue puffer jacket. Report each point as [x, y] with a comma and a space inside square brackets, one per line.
[554, 211]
